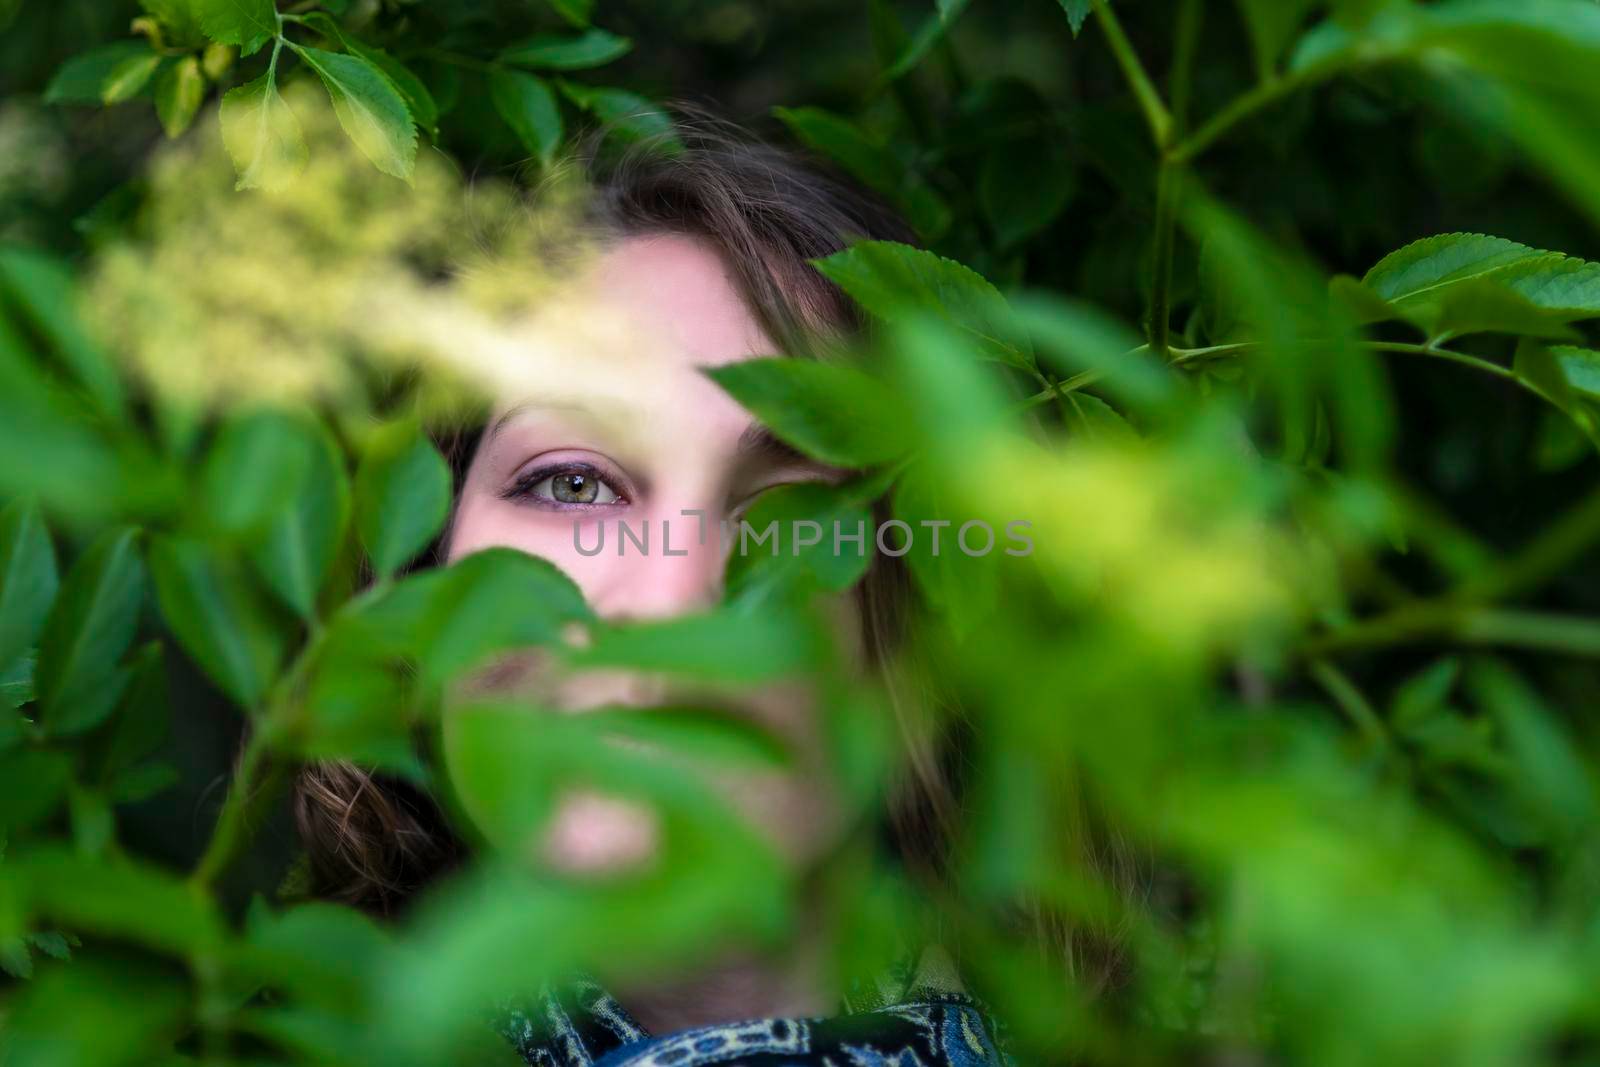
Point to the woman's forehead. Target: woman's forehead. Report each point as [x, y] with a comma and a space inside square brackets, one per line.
[676, 289]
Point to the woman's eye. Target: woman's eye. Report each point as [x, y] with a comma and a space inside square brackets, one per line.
[569, 485]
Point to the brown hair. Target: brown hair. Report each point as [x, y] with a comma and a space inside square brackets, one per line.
[373, 842]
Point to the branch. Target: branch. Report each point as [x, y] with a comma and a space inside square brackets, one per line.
[1155, 112]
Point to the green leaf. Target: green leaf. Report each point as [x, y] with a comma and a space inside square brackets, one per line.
[179, 93]
[419, 99]
[1092, 419]
[874, 165]
[889, 279]
[1537, 365]
[576, 12]
[928, 34]
[218, 617]
[1424, 694]
[127, 78]
[246, 23]
[830, 411]
[369, 107]
[90, 627]
[402, 497]
[1024, 186]
[28, 578]
[300, 544]
[451, 619]
[253, 469]
[1552, 773]
[694, 733]
[625, 113]
[847, 145]
[141, 720]
[81, 78]
[1272, 25]
[722, 646]
[528, 106]
[262, 135]
[593, 48]
[755, 569]
[1077, 13]
[36, 783]
[1457, 284]
[46, 295]
[1581, 368]
[117, 898]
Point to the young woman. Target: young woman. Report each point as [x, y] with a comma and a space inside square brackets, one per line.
[702, 261]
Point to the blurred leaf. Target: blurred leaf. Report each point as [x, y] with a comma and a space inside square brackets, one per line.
[528, 106]
[1093, 419]
[246, 23]
[1424, 693]
[36, 784]
[831, 508]
[179, 93]
[453, 618]
[1024, 186]
[45, 294]
[254, 468]
[369, 107]
[1077, 13]
[128, 78]
[28, 578]
[140, 722]
[576, 12]
[1080, 338]
[847, 145]
[623, 112]
[725, 646]
[1552, 774]
[932, 30]
[107, 1011]
[694, 732]
[889, 279]
[79, 80]
[92, 624]
[593, 48]
[217, 615]
[402, 496]
[827, 410]
[262, 135]
[317, 953]
[117, 898]
[1272, 25]
[303, 537]
[871, 163]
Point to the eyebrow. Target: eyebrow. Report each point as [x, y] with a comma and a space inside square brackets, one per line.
[758, 444]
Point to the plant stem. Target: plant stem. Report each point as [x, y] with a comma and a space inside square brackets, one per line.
[254, 785]
[1155, 112]
[1167, 181]
[1351, 701]
[1249, 103]
[1567, 539]
[1474, 625]
[1180, 81]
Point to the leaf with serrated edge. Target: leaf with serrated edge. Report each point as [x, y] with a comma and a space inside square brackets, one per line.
[262, 135]
[369, 107]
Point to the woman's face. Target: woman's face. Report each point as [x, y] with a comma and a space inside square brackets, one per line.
[635, 432]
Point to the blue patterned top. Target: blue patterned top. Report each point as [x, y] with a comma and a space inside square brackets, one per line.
[918, 1019]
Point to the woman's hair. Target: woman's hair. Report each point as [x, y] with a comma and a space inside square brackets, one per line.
[373, 842]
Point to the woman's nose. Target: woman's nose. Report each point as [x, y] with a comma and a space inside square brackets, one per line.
[671, 566]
